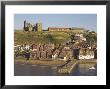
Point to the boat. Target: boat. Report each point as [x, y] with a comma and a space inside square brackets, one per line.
[92, 68]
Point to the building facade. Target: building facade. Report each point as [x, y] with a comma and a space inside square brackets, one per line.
[58, 29]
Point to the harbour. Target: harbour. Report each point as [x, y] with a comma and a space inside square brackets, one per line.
[70, 65]
[73, 68]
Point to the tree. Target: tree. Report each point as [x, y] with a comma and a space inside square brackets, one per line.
[91, 37]
[72, 37]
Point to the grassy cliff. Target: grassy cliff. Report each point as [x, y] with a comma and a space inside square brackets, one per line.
[21, 37]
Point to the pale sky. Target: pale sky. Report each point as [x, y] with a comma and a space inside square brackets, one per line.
[87, 21]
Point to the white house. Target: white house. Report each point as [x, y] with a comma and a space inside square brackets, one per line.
[86, 54]
[54, 56]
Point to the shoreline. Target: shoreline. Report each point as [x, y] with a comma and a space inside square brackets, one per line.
[42, 62]
[52, 62]
[61, 67]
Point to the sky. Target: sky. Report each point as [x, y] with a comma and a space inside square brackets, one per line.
[87, 21]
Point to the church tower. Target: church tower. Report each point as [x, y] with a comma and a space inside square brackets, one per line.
[39, 26]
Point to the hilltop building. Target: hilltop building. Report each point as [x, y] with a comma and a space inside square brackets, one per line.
[38, 27]
[58, 29]
[73, 29]
[30, 27]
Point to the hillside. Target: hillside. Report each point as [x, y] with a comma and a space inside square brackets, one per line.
[21, 37]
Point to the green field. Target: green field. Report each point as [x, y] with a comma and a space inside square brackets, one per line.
[21, 37]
